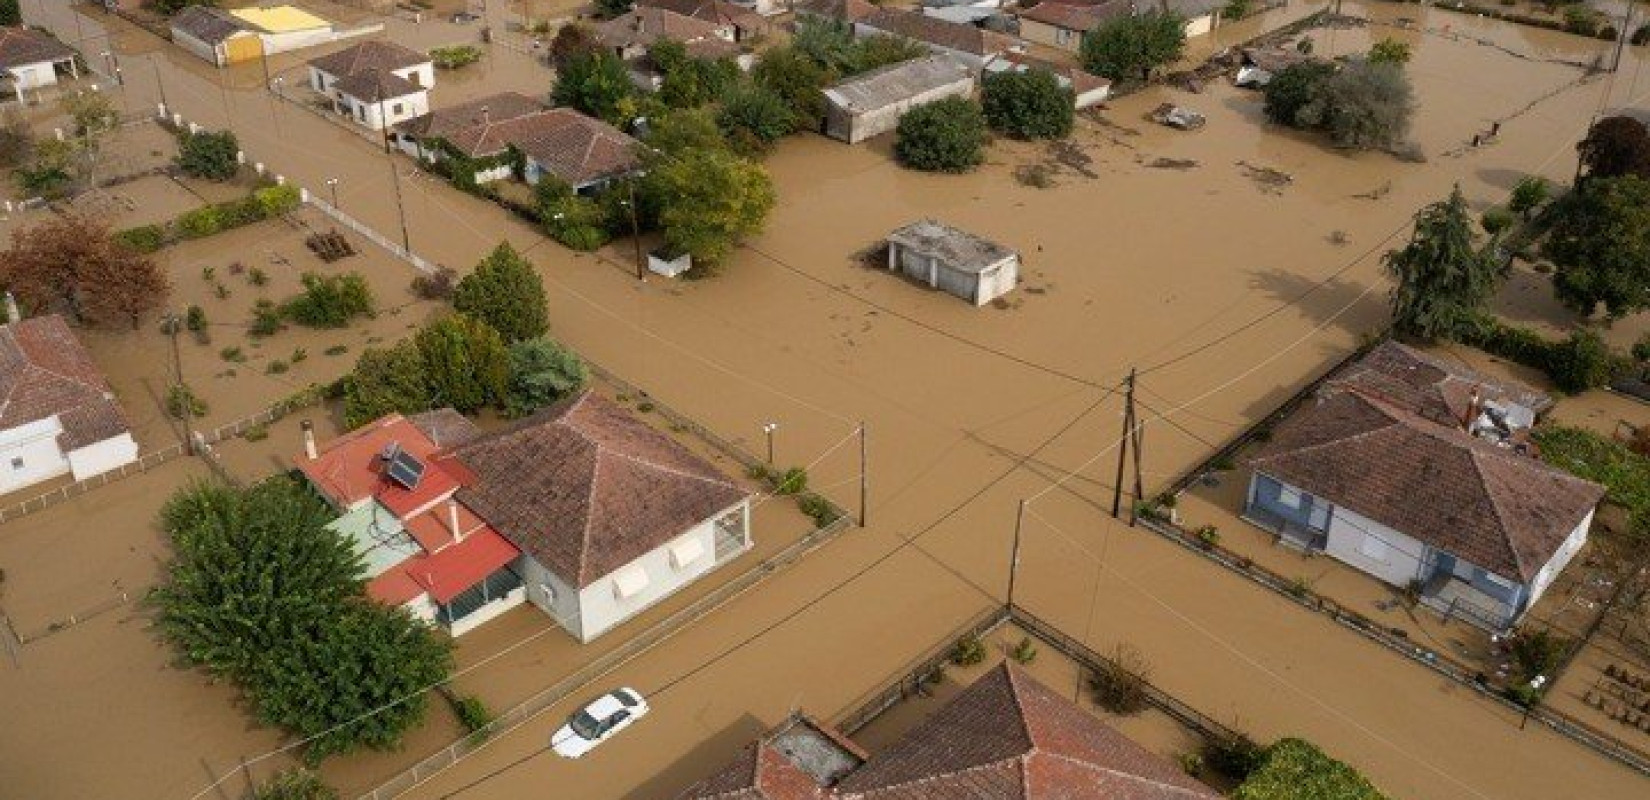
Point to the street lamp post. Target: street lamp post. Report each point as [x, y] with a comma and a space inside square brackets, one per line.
[768, 428]
[332, 183]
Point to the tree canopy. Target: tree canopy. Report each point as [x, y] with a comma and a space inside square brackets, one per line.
[1294, 769]
[1364, 104]
[1292, 88]
[504, 292]
[209, 155]
[1027, 105]
[1615, 146]
[596, 83]
[709, 200]
[1390, 51]
[1600, 241]
[832, 45]
[752, 117]
[466, 364]
[572, 40]
[1442, 276]
[71, 264]
[542, 372]
[797, 79]
[385, 381]
[943, 136]
[688, 82]
[1129, 48]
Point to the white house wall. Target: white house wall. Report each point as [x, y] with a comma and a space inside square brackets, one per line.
[196, 46]
[30, 454]
[366, 113]
[34, 76]
[551, 594]
[1374, 548]
[100, 457]
[600, 607]
[1197, 26]
[1567, 551]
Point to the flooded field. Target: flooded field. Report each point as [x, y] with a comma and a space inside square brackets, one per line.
[1226, 291]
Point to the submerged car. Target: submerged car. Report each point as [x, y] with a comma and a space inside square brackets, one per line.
[598, 721]
[1177, 117]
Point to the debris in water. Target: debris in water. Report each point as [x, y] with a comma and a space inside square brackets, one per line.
[1172, 163]
[1339, 238]
[1268, 179]
[1072, 157]
[1376, 193]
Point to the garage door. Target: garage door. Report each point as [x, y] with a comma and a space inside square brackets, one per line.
[243, 48]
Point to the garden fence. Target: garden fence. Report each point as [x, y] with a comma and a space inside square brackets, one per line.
[913, 678]
[76, 618]
[419, 262]
[58, 495]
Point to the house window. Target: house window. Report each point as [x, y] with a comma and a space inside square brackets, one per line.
[1372, 548]
[396, 109]
[1062, 36]
[17, 463]
[1289, 497]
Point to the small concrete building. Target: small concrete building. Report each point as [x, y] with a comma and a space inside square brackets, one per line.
[953, 261]
[375, 83]
[59, 416]
[871, 104]
[31, 59]
[966, 43]
[246, 34]
[1062, 24]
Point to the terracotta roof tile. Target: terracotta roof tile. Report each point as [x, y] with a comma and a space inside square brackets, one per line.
[374, 54]
[373, 85]
[21, 46]
[719, 12]
[940, 33]
[846, 10]
[645, 25]
[44, 371]
[468, 120]
[1082, 17]
[1431, 387]
[207, 24]
[584, 487]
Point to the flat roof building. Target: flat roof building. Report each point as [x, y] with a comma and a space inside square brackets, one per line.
[955, 261]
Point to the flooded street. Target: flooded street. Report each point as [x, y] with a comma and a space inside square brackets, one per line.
[1225, 291]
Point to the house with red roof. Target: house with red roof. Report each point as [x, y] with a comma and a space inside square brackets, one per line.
[1005, 736]
[57, 414]
[581, 509]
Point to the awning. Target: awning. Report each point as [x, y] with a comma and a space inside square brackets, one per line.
[686, 551]
[630, 581]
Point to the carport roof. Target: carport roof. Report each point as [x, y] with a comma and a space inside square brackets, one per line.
[23, 46]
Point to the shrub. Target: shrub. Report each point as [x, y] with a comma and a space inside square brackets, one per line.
[943, 136]
[456, 56]
[266, 319]
[384, 382]
[1362, 105]
[276, 367]
[1496, 220]
[1191, 762]
[755, 114]
[817, 508]
[1530, 194]
[968, 651]
[209, 155]
[473, 713]
[542, 371]
[329, 301]
[1025, 652]
[1236, 756]
[437, 285]
[1583, 19]
[201, 222]
[1027, 105]
[1119, 684]
[294, 784]
[1583, 362]
[257, 277]
[142, 239]
[195, 319]
[1208, 536]
[298, 354]
[256, 433]
[181, 402]
[793, 481]
[274, 201]
[232, 354]
[1537, 652]
[1292, 88]
[1578, 363]
[336, 350]
[1293, 769]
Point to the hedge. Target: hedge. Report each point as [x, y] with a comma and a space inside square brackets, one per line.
[1581, 362]
[260, 204]
[1605, 32]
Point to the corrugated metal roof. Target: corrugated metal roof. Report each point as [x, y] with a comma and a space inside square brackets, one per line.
[895, 83]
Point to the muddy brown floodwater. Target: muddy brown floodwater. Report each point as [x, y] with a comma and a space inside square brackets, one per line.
[1227, 292]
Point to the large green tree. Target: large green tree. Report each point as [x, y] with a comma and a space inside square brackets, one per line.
[466, 363]
[1615, 146]
[943, 136]
[688, 82]
[1294, 769]
[753, 118]
[833, 45]
[209, 155]
[386, 381]
[797, 79]
[1129, 49]
[1292, 88]
[708, 201]
[1601, 244]
[596, 83]
[1365, 104]
[542, 371]
[504, 292]
[1027, 105]
[1442, 275]
[680, 132]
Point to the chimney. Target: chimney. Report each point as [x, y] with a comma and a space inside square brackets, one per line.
[309, 440]
[452, 519]
[12, 314]
[1472, 410]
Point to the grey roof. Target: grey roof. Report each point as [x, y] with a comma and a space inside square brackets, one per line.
[958, 249]
[374, 85]
[207, 24]
[1190, 9]
[22, 46]
[897, 83]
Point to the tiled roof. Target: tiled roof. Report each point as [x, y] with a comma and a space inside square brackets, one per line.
[573, 147]
[1431, 387]
[796, 760]
[22, 46]
[846, 10]
[1488, 504]
[446, 573]
[207, 24]
[719, 12]
[1006, 737]
[644, 25]
[940, 33]
[368, 56]
[469, 120]
[897, 83]
[1081, 17]
[44, 371]
[373, 85]
[350, 468]
[585, 488]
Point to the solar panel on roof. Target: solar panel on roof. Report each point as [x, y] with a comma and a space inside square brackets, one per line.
[405, 469]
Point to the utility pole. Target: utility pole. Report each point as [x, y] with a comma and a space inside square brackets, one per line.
[160, 82]
[401, 208]
[636, 232]
[864, 478]
[1621, 39]
[1138, 431]
[1014, 554]
[1123, 449]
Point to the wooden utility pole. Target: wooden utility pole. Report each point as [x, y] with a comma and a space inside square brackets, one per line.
[1014, 554]
[395, 178]
[864, 477]
[1123, 449]
[636, 232]
[1137, 430]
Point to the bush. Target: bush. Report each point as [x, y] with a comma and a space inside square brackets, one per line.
[1496, 220]
[817, 508]
[1208, 536]
[1363, 105]
[1583, 19]
[1536, 653]
[1529, 195]
[201, 222]
[456, 56]
[1191, 762]
[209, 155]
[1027, 105]
[1025, 652]
[473, 713]
[793, 481]
[1236, 756]
[294, 784]
[1292, 88]
[755, 114]
[266, 320]
[274, 201]
[232, 355]
[1119, 685]
[437, 285]
[142, 239]
[1582, 362]
[181, 402]
[329, 301]
[943, 136]
[1578, 363]
[542, 371]
[968, 651]
[1293, 769]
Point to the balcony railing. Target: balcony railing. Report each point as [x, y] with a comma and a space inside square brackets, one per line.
[494, 587]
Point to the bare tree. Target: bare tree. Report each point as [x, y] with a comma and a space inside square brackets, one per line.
[72, 265]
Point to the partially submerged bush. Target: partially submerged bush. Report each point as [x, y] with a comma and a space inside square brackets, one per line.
[1120, 684]
[968, 651]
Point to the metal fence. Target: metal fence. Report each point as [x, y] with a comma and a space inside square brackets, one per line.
[419, 262]
[58, 495]
[911, 680]
[654, 635]
[76, 618]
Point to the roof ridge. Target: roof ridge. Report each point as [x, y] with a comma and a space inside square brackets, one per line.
[1495, 508]
[1130, 776]
[1391, 422]
[602, 450]
[936, 776]
[1014, 697]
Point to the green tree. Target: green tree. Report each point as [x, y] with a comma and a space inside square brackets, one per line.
[798, 80]
[832, 45]
[1601, 244]
[1027, 105]
[1129, 49]
[1390, 51]
[1294, 769]
[1615, 146]
[754, 116]
[943, 136]
[466, 364]
[1530, 194]
[10, 14]
[329, 301]
[92, 113]
[386, 381]
[504, 292]
[209, 155]
[688, 82]
[680, 132]
[542, 371]
[1292, 88]
[1442, 276]
[608, 9]
[294, 784]
[1362, 105]
[708, 201]
[596, 83]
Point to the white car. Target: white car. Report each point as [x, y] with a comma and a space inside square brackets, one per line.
[598, 721]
